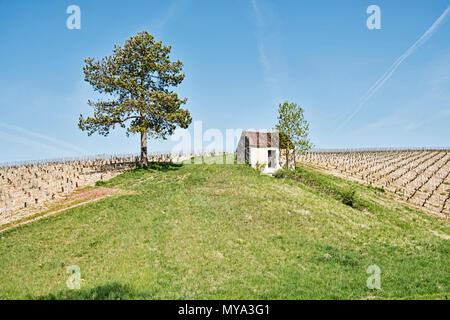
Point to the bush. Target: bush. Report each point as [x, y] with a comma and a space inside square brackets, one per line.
[260, 166]
[376, 189]
[279, 174]
[283, 174]
[348, 198]
[100, 183]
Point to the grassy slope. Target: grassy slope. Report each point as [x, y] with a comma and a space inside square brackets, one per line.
[224, 231]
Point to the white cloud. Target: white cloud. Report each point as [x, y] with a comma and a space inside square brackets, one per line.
[172, 11]
[268, 70]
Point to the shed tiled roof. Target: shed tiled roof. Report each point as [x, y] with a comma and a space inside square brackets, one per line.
[261, 139]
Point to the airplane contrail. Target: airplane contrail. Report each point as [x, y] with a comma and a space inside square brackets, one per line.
[381, 81]
[25, 141]
[41, 136]
[269, 78]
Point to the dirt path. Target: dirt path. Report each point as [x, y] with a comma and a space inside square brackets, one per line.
[76, 199]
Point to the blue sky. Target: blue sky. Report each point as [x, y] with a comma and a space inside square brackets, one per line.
[241, 58]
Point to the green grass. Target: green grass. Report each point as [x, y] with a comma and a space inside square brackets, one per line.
[225, 231]
[339, 189]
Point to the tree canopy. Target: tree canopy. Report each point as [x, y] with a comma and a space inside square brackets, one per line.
[293, 129]
[139, 78]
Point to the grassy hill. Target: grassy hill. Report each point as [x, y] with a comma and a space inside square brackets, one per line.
[224, 231]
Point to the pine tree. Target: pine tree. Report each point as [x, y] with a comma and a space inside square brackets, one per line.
[139, 78]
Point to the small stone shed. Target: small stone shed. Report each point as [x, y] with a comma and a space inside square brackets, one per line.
[259, 148]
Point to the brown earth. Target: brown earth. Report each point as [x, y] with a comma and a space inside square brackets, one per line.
[78, 198]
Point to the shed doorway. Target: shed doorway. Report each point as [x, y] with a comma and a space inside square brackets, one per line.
[272, 156]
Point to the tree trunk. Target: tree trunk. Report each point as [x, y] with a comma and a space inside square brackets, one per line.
[295, 162]
[144, 157]
[287, 158]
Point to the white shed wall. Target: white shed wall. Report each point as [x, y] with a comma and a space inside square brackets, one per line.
[260, 155]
